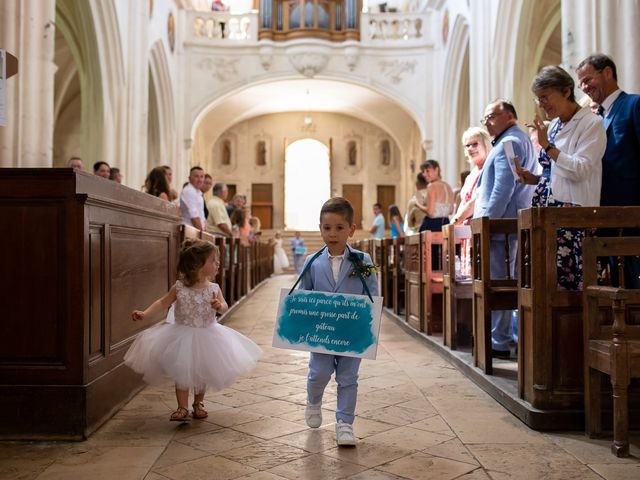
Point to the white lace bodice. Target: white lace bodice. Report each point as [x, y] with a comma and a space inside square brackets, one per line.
[193, 305]
[441, 210]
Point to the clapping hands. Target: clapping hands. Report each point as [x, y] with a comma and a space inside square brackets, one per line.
[538, 133]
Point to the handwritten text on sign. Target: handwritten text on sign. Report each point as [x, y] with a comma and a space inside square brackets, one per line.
[334, 323]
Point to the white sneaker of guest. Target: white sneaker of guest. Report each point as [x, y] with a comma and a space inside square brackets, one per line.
[313, 415]
[344, 435]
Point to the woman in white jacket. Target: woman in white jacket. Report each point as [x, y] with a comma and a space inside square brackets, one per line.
[570, 162]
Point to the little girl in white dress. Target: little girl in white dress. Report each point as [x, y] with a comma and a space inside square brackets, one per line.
[191, 348]
[280, 260]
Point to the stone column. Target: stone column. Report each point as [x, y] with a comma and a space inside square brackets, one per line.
[136, 107]
[603, 26]
[27, 31]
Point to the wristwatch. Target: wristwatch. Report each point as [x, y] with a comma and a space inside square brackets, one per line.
[549, 147]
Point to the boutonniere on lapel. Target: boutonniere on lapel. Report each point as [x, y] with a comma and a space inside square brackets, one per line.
[360, 268]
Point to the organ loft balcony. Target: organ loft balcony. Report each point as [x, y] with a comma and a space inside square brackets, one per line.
[327, 20]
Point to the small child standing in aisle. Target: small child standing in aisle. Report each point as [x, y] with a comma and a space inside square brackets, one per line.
[337, 268]
[191, 348]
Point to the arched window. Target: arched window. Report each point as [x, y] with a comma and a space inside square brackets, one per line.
[307, 183]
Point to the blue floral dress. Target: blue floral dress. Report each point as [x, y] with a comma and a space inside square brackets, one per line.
[569, 251]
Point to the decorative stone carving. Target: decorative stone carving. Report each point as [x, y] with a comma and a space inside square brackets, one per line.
[394, 69]
[351, 55]
[221, 68]
[266, 57]
[309, 60]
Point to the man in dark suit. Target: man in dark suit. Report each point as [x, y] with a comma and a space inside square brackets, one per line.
[598, 78]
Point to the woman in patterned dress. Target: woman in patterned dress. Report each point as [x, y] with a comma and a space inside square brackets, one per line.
[570, 154]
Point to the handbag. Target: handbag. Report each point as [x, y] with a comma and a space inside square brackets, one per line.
[299, 250]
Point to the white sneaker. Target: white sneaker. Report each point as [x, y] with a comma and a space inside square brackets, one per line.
[344, 435]
[313, 415]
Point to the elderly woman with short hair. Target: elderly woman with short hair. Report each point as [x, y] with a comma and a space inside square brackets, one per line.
[570, 158]
[477, 145]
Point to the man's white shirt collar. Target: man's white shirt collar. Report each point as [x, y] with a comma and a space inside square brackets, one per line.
[608, 102]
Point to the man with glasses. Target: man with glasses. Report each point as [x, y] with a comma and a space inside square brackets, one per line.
[500, 195]
[597, 77]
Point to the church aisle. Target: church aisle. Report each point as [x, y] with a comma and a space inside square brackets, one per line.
[417, 418]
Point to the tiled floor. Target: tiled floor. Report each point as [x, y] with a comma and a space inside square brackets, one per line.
[417, 418]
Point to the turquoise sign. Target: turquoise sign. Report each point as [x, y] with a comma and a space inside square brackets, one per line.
[334, 323]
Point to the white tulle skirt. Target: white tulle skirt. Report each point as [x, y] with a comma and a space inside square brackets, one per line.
[201, 359]
[280, 260]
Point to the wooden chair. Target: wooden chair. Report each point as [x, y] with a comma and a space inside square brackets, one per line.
[386, 275]
[232, 270]
[457, 289]
[413, 299]
[610, 349]
[488, 293]
[396, 263]
[432, 281]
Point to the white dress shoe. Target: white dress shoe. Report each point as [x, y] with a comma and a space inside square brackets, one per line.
[313, 415]
[344, 435]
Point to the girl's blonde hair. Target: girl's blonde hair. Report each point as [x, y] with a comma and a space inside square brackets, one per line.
[193, 255]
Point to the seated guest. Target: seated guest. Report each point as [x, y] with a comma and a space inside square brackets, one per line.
[438, 202]
[377, 227]
[395, 222]
[414, 216]
[256, 228]
[173, 194]
[477, 146]
[191, 202]
[456, 191]
[570, 154]
[205, 188]
[115, 175]
[241, 226]
[238, 201]
[218, 221]
[75, 163]
[156, 184]
[102, 169]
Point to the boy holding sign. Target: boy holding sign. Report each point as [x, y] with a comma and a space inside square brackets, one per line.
[337, 269]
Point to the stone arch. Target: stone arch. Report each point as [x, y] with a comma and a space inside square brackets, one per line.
[164, 148]
[213, 99]
[67, 105]
[456, 116]
[84, 26]
[535, 36]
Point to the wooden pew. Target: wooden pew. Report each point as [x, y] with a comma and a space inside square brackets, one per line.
[550, 361]
[612, 346]
[488, 293]
[396, 263]
[457, 288]
[385, 275]
[432, 281]
[90, 251]
[413, 291]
